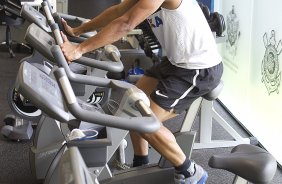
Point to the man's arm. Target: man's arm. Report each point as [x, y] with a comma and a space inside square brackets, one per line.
[121, 25]
[115, 30]
[105, 17]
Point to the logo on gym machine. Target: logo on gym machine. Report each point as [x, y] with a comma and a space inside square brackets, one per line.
[96, 97]
[271, 74]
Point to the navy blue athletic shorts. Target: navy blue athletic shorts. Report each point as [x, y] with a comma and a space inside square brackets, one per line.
[179, 87]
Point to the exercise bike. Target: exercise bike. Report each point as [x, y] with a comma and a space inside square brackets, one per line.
[19, 128]
[260, 164]
[248, 162]
[128, 117]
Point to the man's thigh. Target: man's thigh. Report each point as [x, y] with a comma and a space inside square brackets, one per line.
[148, 84]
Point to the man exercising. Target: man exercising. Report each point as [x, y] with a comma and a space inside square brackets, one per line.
[193, 67]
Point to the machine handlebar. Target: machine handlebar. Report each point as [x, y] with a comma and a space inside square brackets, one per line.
[147, 123]
[114, 65]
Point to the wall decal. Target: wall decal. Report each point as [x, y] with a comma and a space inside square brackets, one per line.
[233, 34]
[271, 74]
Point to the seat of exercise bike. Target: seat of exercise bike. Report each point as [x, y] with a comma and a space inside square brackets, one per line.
[247, 161]
[213, 94]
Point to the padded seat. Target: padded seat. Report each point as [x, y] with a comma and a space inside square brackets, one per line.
[213, 94]
[247, 161]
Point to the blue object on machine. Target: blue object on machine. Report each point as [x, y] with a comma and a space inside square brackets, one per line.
[136, 69]
[135, 73]
[209, 3]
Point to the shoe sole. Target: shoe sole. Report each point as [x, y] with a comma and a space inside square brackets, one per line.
[203, 179]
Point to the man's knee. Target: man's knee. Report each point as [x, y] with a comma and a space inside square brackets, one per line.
[163, 134]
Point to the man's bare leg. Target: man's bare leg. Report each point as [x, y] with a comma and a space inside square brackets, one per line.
[162, 140]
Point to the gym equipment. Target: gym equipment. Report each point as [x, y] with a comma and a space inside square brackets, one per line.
[19, 105]
[135, 72]
[48, 144]
[26, 113]
[151, 174]
[52, 176]
[148, 42]
[217, 23]
[43, 142]
[73, 168]
[265, 166]
[215, 20]
[261, 166]
[16, 129]
[39, 156]
[116, 140]
[50, 102]
[248, 162]
[10, 17]
[42, 58]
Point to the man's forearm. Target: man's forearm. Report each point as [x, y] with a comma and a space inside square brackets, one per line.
[111, 33]
[98, 22]
[137, 11]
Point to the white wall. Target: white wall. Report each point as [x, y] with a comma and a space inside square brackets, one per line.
[252, 81]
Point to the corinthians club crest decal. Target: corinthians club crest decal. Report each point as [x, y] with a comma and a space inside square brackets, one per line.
[232, 27]
[233, 34]
[271, 74]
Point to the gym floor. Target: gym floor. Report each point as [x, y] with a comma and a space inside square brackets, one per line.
[14, 160]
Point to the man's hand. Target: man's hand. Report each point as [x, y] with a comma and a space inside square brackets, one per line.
[67, 28]
[71, 51]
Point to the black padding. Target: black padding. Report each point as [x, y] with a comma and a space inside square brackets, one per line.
[247, 161]
[212, 95]
[217, 23]
[206, 10]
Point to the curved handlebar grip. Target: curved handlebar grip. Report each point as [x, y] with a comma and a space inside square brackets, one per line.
[113, 65]
[78, 20]
[48, 12]
[143, 108]
[112, 51]
[57, 34]
[116, 66]
[145, 124]
[84, 79]
[104, 65]
[49, 5]
[58, 20]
